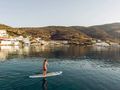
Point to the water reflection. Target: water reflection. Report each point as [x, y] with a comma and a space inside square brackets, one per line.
[6, 50]
[108, 53]
[72, 52]
[44, 84]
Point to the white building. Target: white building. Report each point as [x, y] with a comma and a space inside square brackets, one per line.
[104, 44]
[58, 42]
[6, 42]
[16, 43]
[3, 33]
[26, 41]
[20, 38]
[38, 39]
[9, 42]
[42, 42]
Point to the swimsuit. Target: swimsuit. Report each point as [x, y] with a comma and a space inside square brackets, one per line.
[45, 69]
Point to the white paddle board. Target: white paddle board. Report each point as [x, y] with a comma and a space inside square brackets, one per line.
[47, 75]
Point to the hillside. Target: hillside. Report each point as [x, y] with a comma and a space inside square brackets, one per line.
[3, 26]
[113, 30]
[104, 32]
[73, 33]
[57, 33]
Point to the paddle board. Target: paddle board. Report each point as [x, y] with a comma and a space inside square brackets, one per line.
[47, 75]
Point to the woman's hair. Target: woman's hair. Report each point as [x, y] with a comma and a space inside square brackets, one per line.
[45, 60]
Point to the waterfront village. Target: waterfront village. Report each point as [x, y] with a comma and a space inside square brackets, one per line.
[6, 40]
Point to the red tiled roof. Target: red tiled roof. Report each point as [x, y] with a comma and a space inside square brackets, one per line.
[3, 38]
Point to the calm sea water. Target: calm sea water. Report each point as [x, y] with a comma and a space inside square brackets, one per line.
[84, 68]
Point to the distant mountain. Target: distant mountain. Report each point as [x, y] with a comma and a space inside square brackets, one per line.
[113, 30]
[103, 32]
[12, 31]
[73, 33]
[57, 33]
[3, 26]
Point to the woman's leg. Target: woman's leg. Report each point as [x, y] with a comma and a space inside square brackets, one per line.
[44, 73]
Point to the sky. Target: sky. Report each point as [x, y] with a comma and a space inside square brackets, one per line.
[25, 13]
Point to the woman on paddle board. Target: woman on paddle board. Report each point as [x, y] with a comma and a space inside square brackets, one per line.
[45, 63]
